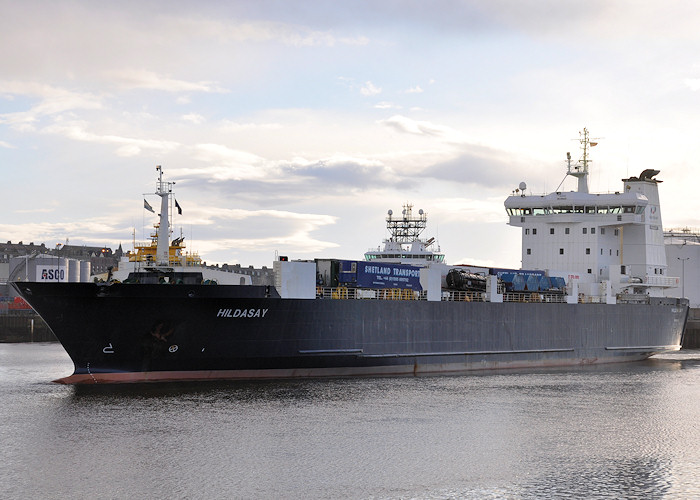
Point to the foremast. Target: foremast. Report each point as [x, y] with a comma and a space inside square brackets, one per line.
[164, 190]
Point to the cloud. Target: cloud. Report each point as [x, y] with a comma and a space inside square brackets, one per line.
[194, 118]
[142, 79]
[414, 90]
[480, 166]
[343, 172]
[292, 230]
[231, 126]
[386, 105]
[85, 230]
[127, 146]
[236, 31]
[249, 176]
[692, 83]
[406, 125]
[369, 89]
[224, 163]
[34, 211]
[7, 145]
[52, 101]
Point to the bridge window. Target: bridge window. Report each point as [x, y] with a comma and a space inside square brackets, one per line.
[563, 210]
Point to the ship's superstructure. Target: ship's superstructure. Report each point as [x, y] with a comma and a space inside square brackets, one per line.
[162, 258]
[404, 244]
[161, 252]
[616, 238]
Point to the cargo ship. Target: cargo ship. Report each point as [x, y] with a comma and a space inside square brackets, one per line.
[590, 291]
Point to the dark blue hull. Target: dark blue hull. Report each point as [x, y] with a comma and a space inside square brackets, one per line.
[136, 332]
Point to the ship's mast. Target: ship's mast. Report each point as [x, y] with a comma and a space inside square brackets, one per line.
[580, 170]
[163, 189]
[407, 228]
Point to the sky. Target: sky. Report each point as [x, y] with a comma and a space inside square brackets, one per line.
[291, 127]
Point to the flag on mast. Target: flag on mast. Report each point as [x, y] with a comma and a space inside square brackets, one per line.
[177, 205]
[148, 207]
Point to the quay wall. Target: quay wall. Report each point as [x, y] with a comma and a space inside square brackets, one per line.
[24, 326]
[691, 336]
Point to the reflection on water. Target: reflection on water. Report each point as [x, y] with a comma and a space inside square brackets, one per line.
[606, 431]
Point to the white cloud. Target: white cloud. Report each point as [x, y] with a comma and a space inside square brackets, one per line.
[142, 79]
[194, 118]
[7, 145]
[409, 126]
[231, 126]
[127, 146]
[52, 101]
[415, 90]
[387, 105]
[263, 31]
[224, 163]
[692, 83]
[370, 89]
[88, 229]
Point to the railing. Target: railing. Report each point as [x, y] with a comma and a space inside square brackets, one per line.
[345, 293]
[534, 297]
[630, 298]
[665, 281]
[462, 296]
[590, 299]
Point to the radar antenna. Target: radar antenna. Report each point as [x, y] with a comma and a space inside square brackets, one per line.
[580, 169]
[406, 228]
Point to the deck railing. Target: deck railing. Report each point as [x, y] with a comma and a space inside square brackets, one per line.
[347, 293]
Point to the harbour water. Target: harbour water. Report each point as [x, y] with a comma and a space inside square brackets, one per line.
[615, 431]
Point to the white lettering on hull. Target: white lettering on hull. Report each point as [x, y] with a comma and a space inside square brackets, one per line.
[241, 313]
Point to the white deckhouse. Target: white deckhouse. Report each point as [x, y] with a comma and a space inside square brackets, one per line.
[609, 237]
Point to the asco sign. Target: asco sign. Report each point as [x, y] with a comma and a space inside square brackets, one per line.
[52, 273]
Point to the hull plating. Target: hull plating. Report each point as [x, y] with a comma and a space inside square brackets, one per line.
[130, 333]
